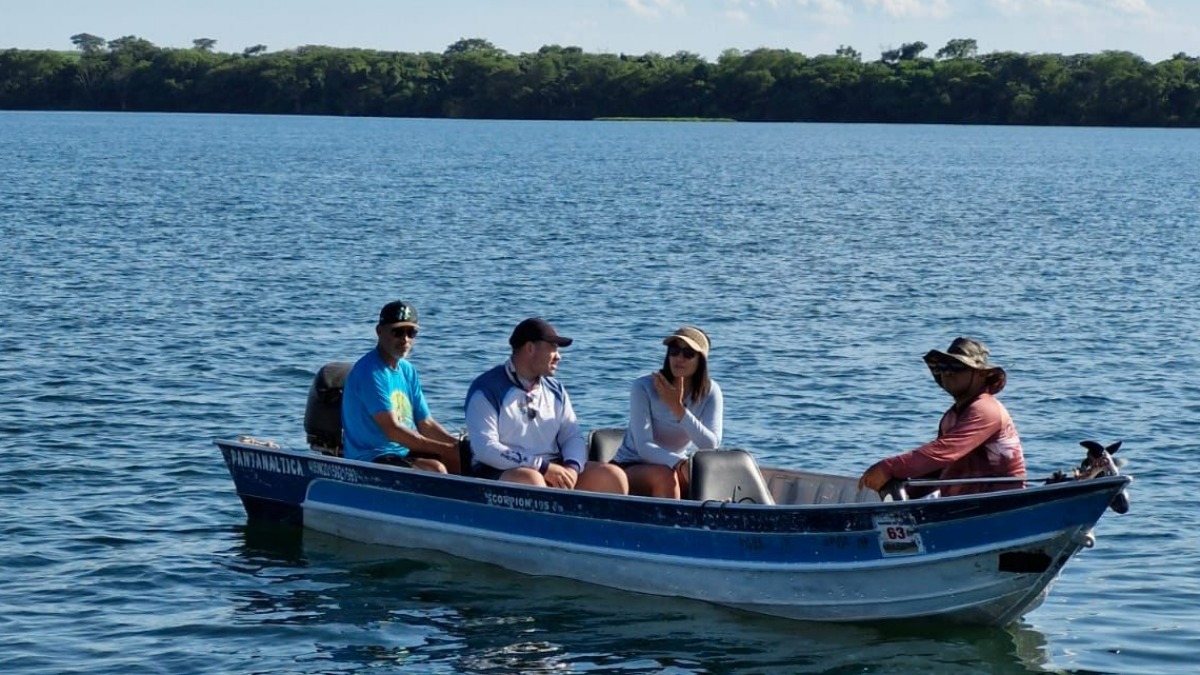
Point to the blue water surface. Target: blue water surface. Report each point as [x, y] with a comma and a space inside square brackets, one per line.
[168, 279]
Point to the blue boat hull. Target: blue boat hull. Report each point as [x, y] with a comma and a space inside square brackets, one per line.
[982, 559]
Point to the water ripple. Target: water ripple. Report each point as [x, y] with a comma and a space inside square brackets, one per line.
[174, 278]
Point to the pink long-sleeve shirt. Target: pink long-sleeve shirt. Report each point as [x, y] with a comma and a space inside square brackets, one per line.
[978, 441]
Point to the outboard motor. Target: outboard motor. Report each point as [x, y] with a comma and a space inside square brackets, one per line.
[323, 413]
[1100, 462]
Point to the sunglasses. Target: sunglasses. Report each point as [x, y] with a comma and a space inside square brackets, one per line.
[404, 332]
[679, 350]
[939, 368]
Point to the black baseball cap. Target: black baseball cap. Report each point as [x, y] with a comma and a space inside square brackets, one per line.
[534, 329]
[398, 313]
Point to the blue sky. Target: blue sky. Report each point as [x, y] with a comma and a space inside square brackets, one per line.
[1155, 29]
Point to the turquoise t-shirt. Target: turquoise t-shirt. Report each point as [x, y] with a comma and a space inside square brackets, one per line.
[371, 387]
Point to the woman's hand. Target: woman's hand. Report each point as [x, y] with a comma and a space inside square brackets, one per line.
[671, 393]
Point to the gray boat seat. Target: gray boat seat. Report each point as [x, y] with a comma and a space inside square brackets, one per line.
[603, 443]
[728, 476]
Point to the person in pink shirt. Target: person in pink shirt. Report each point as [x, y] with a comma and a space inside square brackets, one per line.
[976, 437]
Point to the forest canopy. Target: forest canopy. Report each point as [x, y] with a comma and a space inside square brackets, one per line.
[474, 79]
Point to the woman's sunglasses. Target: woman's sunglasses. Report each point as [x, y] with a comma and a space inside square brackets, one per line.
[678, 350]
[939, 368]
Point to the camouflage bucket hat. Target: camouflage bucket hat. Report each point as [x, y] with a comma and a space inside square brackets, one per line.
[972, 354]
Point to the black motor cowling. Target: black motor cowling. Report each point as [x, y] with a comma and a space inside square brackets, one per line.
[323, 413]
[1100, 462]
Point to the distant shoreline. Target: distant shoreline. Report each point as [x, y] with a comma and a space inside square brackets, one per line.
[472, 79]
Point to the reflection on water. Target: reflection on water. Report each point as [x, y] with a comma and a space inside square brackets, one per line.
[823, 259]
[366, 606]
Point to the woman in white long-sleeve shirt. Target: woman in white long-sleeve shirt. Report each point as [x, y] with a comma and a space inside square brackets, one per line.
[672, 412]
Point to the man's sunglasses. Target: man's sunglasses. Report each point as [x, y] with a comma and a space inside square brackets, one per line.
[679, 350]
[406, 331]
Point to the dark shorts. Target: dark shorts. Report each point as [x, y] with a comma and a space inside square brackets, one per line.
[392, 459]
[485, 471]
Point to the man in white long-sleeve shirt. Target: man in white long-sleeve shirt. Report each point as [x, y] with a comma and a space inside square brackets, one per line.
[521, 424]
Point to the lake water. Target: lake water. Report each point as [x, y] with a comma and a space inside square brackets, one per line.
[169, 279]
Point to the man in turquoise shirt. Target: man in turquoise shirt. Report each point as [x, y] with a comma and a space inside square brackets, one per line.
[384, 415]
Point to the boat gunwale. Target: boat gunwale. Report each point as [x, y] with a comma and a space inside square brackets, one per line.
[924, 509]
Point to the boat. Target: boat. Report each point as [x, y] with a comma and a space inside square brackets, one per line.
[796, 544]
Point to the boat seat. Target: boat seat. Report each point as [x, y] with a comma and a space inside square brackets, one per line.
[603, 443]
[464, 455]
[323, 412]
[728, 476]
[792, 487]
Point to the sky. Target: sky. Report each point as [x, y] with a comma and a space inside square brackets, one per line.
[1154, 29]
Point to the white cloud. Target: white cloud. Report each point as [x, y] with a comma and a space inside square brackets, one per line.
[913, 9]
[826, 6]
[737, 16]
[838, 11]
[1020, 7]
[1136, 7]
[653, 9]
[753, 4]
[1007, 7]
[830, 12]
[1059, 7]
[583, 25]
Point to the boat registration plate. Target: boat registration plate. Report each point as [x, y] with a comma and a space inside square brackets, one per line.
[898, 537]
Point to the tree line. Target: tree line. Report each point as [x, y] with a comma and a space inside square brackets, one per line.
[474, 79]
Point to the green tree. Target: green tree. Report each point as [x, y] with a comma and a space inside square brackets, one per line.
[468, 45]
[912, 50]
[173, 79]
[958, 49]
[1126, 91]
[906, 52]
[87, 43]
[1180, 84]
[963, 92]
[89, 71]
[472, 78]
[482, 80]
[33, 80]
[128, 57]
[832, 84]
[847, 52]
